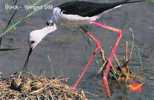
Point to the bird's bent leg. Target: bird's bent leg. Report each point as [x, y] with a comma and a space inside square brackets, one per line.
[91, 57]
[96, 41]
[110, 58]
[81, 75]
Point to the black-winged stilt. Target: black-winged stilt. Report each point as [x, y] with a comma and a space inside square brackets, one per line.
[77, 13]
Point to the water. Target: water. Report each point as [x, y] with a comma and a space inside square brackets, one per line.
[65, 52]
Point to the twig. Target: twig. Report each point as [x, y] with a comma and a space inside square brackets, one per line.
[126, 51]
[20, 73]
[50, 62]
[117, 60]
[39, 90]
[132, 43]
[102, 67]
[92, 94]
[141, 62]
[103, 61]
[29, 23]
[102, 55]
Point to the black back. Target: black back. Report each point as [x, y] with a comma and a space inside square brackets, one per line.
[84, 8]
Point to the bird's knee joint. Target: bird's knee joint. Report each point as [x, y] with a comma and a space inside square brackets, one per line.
[98, 44]
[119, 31]
[105, 78]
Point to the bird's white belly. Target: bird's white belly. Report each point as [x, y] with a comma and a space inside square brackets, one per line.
[70, 23]
[70, 20]
[74, 20]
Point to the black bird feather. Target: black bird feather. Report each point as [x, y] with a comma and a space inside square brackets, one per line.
[84, 8]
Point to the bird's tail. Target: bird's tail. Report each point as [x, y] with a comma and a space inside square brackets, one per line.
[132, 1]
[119, 3]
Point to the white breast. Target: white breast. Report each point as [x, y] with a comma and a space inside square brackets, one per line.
[69, 19]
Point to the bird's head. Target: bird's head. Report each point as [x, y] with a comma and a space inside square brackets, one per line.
[50, 22]
[36, 36]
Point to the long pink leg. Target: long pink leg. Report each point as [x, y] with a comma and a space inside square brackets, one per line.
[110, 58]
[90, 59]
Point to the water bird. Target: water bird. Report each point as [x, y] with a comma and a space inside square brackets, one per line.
[75, 14]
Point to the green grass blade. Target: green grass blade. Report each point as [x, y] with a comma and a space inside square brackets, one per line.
[8, 49]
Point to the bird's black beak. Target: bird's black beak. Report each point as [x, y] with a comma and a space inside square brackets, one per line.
[47, 23]
[27, 59]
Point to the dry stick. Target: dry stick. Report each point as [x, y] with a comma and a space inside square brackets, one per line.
[101, 69]
[50, 95]
[114, 70]
[141, 63]
[102, 54]
[105, 62]
[125, 46]
[117, 60]
[103, 59]
[92, 94]
[39, 90]
[31, 24]
[126, 51]
[131, 52]
[118, 63]
[19, 75]
[50, 62]
[132, 43]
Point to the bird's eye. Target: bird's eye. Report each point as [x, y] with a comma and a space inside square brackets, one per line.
[31, 42]
[49, 23]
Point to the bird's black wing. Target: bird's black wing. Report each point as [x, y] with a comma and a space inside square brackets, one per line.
[84, 8]
[81, 8]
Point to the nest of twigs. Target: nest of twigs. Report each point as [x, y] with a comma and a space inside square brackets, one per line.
[26, 86]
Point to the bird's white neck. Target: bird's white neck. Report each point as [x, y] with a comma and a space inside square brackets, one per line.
[56, 14]
[38, 35]
[48, 29]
